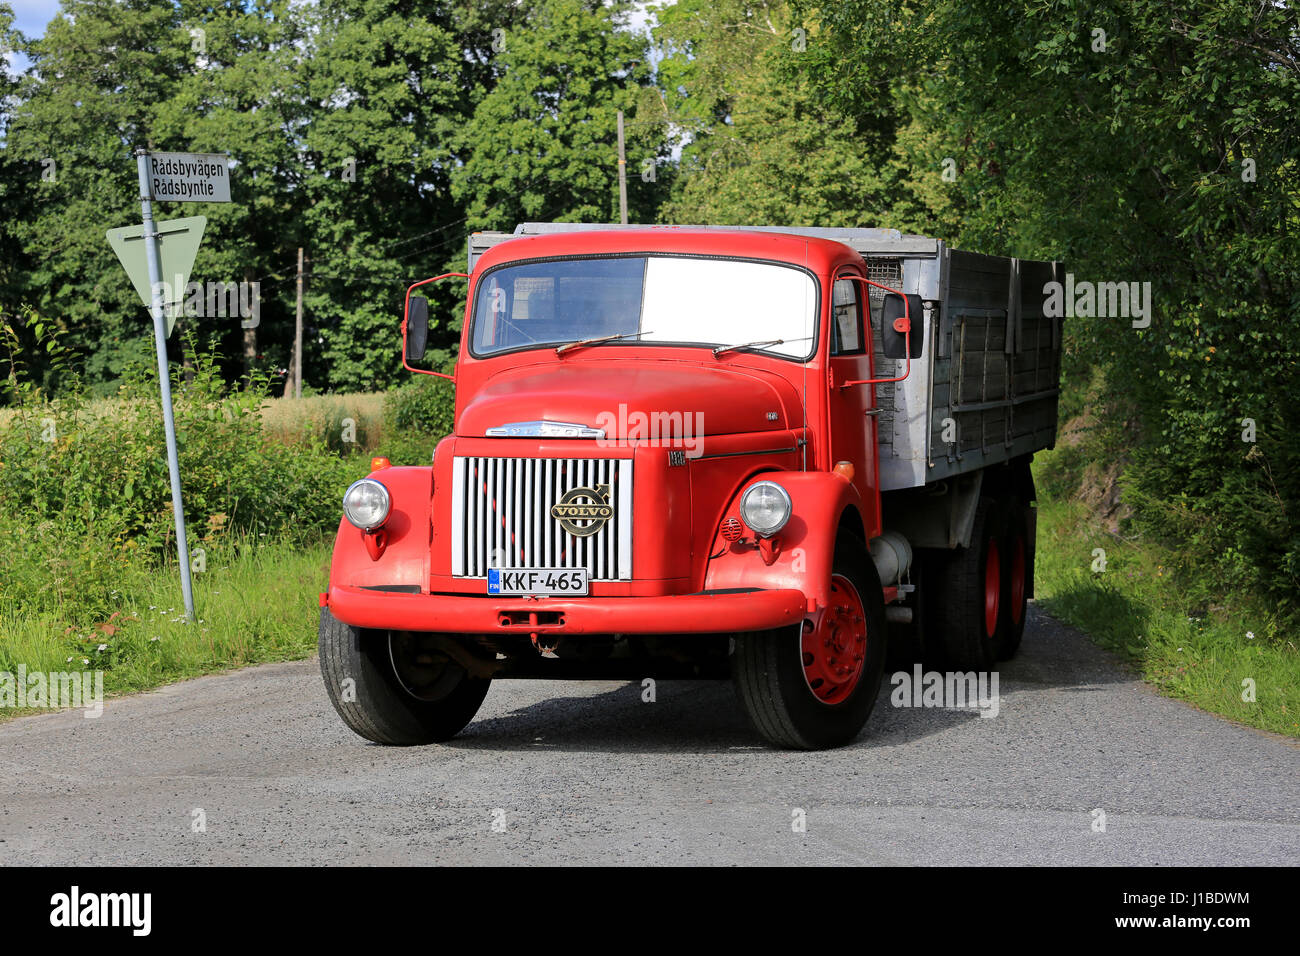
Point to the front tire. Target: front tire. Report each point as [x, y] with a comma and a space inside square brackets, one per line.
[386, 691]
[812, 688]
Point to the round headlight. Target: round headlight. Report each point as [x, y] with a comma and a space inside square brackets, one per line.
[366, 504]
[766, 508]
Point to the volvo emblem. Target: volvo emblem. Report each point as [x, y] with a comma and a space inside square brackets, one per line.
[583, 511]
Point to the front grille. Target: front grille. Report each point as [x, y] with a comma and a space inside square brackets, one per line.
[501, 516]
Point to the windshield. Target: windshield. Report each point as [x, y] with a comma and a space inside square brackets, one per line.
[666, 299]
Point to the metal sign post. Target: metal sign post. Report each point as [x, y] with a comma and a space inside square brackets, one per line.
[169, 177]
[164, 375]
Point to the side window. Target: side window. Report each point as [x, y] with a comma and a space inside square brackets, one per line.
[846, 318]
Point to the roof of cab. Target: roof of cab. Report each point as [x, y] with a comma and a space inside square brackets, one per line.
[819, 255]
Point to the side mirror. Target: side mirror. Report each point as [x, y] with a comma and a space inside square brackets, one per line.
[893, 341]
[416, 327]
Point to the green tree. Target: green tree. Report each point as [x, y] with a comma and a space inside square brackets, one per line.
[1141, 144]
[17, 182]
[542, 144]
[390, 87]
[238, 93]
[89, 96]
[758, 145]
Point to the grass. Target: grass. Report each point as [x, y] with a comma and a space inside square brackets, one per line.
[257, 606]
[122, 615]
[294, 420]
[291, 421]
[1202, 655]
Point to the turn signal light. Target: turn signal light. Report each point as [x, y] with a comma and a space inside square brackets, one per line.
[379, 462]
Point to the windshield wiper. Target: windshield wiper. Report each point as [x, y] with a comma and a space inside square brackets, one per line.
[747, 345]
[561, 349]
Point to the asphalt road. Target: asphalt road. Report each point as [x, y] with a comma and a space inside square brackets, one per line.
[578, 772]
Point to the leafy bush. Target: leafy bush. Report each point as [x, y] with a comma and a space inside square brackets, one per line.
[416, 416]
[86, 485]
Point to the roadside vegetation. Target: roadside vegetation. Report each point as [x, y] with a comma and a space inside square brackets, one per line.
[1233, 656]
[256, 603]
[88, 579]
[1214, 641]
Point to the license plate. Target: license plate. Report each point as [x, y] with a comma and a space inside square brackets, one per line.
[541, 581]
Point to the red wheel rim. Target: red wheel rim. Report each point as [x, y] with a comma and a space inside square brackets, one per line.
[835, 651]
[1018, 579]
[992, 586]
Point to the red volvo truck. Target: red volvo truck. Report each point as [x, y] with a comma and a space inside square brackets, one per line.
[786, 456]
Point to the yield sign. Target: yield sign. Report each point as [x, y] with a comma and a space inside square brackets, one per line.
[178, 244]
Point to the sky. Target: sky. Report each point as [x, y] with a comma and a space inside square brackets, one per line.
[30, 19]
[31, 16]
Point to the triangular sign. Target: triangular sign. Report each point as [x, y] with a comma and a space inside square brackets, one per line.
[178, 244]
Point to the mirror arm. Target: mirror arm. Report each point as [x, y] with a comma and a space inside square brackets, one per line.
[906, 330]
[406, 311]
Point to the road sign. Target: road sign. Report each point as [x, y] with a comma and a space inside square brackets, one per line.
[178, 244]
[189, 177]
[167, 251]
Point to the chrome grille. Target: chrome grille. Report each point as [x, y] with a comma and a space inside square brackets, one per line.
[501, 516]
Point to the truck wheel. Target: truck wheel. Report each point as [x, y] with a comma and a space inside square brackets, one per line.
[812, 687]
[966, 595]
[1017, 573]
[389, 692]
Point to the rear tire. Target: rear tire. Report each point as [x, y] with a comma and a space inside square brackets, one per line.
[966, 607]
[421, 702]
[1017, 576]
[811, 688]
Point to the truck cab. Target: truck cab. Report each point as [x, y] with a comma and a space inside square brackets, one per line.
[666, 462]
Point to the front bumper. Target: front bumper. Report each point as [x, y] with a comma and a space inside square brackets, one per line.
[706, 613]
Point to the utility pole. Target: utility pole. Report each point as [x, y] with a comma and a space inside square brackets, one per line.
[297, 336]
[622, 174]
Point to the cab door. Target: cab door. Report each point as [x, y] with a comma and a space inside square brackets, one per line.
[853, 410]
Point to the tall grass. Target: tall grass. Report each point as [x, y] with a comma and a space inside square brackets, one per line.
[343, 423]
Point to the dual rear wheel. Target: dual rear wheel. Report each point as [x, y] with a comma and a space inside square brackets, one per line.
[978, 595]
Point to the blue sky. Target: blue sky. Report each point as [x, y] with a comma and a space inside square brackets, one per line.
[31, 16]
